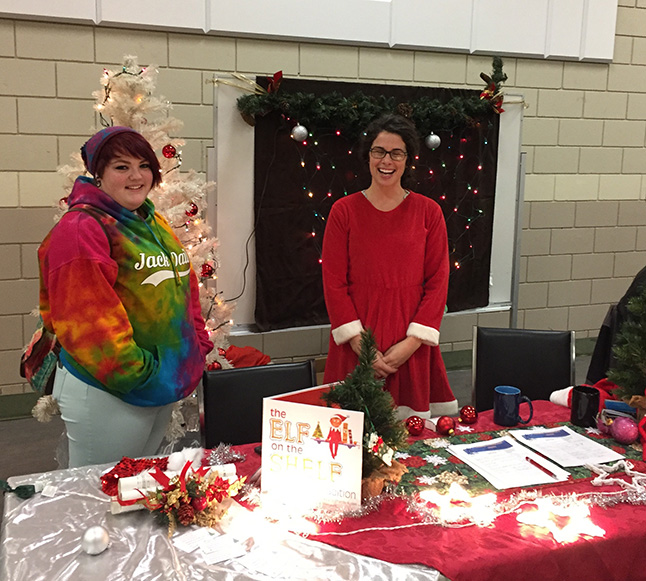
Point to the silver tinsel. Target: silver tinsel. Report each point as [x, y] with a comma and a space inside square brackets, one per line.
[368, 506]
[224, 454]
[626, 496]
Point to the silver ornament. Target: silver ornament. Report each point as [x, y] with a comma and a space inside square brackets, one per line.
[95, 540]
[299, 133]
[432, 141]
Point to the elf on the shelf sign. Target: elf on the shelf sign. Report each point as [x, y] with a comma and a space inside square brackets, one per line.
[311, 454]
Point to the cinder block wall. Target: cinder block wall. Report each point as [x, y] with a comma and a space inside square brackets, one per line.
[584, 221]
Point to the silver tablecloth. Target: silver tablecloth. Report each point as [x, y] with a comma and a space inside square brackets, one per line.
[41, 539]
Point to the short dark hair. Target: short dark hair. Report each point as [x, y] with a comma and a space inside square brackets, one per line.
[391, 123]
[132, 144]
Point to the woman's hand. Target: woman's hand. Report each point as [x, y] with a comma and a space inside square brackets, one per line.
[401, 352]
[381, 367]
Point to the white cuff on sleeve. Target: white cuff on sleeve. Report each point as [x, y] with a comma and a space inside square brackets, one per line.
[428, 335]
[344, 333]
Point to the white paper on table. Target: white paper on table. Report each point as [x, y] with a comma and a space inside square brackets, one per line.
[221, 548]
[193, 538]
[505, 463]
[566, 447]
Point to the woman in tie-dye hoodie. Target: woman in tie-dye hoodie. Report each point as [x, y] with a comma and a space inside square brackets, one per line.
[117, 288]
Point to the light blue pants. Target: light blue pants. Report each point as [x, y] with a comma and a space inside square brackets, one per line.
[101, 428]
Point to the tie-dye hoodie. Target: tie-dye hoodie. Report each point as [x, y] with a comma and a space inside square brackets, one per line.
[126, 309]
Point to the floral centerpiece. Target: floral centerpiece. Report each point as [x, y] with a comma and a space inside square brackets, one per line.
[383, 432]
[198, 497]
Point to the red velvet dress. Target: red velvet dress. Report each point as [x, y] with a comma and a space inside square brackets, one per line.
[388, 270]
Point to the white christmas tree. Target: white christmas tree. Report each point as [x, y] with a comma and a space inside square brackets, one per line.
[127, 99]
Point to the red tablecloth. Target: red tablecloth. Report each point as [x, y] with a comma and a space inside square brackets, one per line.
[504, 550]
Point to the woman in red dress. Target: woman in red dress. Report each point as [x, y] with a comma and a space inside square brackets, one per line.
[385, 267]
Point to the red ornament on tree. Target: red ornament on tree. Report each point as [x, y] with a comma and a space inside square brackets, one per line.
[207, 270]
[445, 425]
[415, 425]
[214, 366]
[468, 414]
[192, 210]
[169, 151]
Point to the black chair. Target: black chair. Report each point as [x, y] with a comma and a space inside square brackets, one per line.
[232, 399]
[536, 362]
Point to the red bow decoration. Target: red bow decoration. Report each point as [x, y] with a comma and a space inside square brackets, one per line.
[274, 82]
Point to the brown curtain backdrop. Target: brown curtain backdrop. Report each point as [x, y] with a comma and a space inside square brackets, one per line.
[296, 185]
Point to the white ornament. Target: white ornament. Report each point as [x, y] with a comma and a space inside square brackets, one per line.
[299, 133]
[432, 141]
[95, 540]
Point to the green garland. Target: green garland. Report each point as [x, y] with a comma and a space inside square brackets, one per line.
[362, 392]
[629, 371]
[352, 114]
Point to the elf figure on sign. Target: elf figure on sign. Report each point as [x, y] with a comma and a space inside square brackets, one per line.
[334, 435]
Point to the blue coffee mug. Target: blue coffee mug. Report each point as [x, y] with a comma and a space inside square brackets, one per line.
[506, 406]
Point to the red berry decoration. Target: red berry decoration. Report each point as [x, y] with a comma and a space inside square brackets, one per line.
[415, 425]
[445, 426]
[468, 415]
[192, 210]
[207, 270]
[169, 151]
[214, 366]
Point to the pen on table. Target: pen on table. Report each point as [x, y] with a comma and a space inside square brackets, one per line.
[540, 467]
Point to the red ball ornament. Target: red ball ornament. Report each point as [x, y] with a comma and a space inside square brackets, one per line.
[468, 415]
[214, 366]
[199, 503]
[192, 210]
[445, 426]
[415, 425]
[169, 151]
[207, 270]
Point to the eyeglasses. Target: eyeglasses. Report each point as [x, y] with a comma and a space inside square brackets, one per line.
[395, 154]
